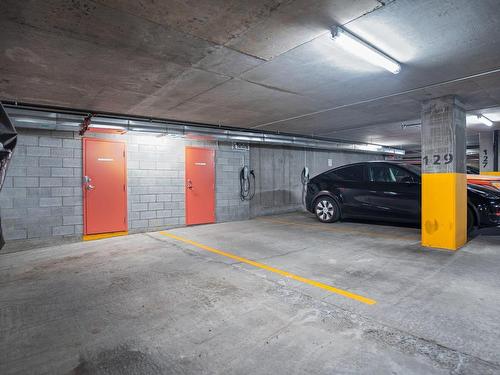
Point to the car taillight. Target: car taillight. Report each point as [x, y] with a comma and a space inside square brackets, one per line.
[496, 184]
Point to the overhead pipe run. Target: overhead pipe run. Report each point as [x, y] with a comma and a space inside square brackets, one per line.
[25, 117]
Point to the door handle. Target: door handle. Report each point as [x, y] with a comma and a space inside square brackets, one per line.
[86, 182]
[189, 184]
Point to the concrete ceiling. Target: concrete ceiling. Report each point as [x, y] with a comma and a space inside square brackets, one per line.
[262, 64]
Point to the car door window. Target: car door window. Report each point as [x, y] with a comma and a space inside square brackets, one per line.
[379, 173]
[400, 175]
[352, 173]
[389, 173]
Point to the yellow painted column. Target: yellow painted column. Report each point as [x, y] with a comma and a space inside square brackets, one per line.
[444, 210]
[444, 182]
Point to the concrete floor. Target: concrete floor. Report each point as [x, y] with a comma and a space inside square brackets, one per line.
[152, 304]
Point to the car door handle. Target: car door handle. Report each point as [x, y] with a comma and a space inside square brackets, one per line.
[89, 187]
[382, 192]
[189, 184]
[390, 193]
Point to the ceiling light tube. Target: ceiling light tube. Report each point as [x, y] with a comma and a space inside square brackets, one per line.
[405, 125]
[369, 147]
[484, 120]
[364, 50]
[97, 126]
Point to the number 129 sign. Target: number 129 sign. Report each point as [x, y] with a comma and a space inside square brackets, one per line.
[438, 159]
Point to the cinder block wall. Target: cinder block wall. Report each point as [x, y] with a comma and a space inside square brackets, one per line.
[155, 182]
[42, 195]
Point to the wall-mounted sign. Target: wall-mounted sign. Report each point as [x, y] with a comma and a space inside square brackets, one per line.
[238, 146]
[486, 157]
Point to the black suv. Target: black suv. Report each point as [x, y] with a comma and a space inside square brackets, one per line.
[387, 191]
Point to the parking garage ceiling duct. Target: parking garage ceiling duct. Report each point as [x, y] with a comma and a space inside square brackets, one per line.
[57, 119]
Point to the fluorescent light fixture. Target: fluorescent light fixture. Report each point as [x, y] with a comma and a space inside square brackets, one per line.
[471, 119]
[172, 135]
[398, 152]
[484, 120]
[369, 147]
[405, 125]
[365, 51]
[148, 131]
[97, 126]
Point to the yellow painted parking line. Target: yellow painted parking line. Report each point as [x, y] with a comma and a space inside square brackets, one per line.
[325, 227]
[289, 275]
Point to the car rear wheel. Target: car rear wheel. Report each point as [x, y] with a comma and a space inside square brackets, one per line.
[327, 210]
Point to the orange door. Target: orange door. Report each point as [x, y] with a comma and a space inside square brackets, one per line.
[200, 186]
[104, 187]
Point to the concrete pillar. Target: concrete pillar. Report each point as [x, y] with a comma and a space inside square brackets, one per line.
[496, 149]
[488, 153]
[444, 183]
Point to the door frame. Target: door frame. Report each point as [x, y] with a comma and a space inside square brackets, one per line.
[186, 148]
[84, 143]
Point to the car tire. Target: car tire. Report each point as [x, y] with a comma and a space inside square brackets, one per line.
[326, 210]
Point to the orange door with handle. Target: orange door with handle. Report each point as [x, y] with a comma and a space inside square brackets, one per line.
[200, 185]
[104, 186]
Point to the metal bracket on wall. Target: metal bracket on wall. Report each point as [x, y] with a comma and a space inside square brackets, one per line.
[85, 124]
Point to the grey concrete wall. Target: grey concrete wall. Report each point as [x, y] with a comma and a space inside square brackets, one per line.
[229, 206]
[277, 176]
[42, 195]
[278, 169]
